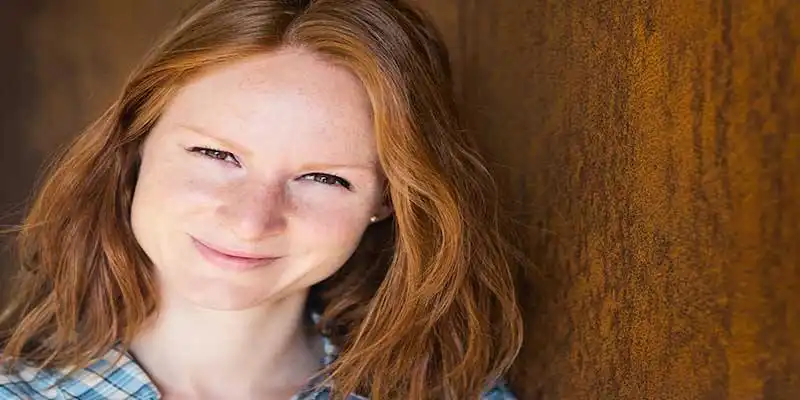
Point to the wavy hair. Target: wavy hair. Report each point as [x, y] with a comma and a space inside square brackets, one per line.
[426, 306]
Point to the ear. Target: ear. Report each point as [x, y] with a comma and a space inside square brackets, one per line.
[384, 210]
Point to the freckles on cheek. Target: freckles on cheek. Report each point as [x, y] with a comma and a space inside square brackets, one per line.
[199, 197]
[336, 224]
[184, 191]
[330, 211]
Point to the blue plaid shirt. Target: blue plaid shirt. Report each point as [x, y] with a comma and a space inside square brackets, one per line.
[125, 379]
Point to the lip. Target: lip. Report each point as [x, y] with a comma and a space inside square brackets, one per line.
[231, 260]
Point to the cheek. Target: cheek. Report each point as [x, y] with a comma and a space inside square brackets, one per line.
[334, 233]
[188, 184]
[328, 251]
[169, 194]
[331, 222]
[309, 200]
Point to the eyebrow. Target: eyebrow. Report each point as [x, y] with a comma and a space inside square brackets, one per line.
[240, 149]
[370, 166]
[233, 146]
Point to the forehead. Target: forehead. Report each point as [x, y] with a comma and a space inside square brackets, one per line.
[291, 92]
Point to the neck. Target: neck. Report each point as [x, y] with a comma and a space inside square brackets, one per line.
[208, 353]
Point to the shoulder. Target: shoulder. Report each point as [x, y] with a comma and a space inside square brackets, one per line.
[27, 382]
[498, 391]
[115, 376]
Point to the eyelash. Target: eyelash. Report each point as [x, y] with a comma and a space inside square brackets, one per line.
[222, 155]
[215, 154]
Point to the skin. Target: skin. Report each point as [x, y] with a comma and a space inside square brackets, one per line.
[273, 156]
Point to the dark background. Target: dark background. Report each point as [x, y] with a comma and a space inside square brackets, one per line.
[649, 148]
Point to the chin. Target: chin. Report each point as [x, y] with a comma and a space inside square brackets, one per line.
[218, 293]
[232, 302]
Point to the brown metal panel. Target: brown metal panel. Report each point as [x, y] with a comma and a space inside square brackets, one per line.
[652, 150]
[63, 62]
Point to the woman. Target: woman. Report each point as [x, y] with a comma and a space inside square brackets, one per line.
[281, 203]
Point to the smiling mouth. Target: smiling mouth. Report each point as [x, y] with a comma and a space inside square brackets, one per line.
[229, 260]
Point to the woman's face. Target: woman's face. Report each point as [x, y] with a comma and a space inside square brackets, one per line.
[258, 181]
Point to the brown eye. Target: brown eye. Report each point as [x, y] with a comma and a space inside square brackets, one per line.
[328, 179]
[220, 155]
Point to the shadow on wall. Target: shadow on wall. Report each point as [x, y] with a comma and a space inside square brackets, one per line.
[69, 61]
[18, 160]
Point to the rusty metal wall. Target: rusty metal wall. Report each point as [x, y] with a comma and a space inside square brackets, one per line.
[650, 150]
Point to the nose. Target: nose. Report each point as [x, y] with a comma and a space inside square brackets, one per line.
[254, 211]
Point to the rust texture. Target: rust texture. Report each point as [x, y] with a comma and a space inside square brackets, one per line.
[650, 151]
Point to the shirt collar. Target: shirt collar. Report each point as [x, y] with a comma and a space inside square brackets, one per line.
[118, 375]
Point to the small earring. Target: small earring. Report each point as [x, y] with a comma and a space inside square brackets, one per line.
[373, 219]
